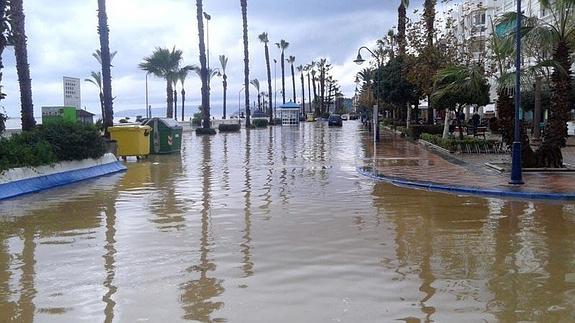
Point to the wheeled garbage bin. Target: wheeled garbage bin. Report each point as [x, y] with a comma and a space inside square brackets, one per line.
[132, 140]
[166, 135]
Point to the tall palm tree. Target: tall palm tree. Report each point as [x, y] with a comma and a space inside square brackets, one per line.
[283, 45]
[203, 67]
[429, 16]
[5, 28]
[97, 81]
[256, 84]
[401, 23]
[313, 79]
[182, 75]
[291, 60]
[558, 31]
[22, 66]
[308, 68]
[175, 79]
[264, 39]
[244, 5]
[224, 64]
[164, 63]
[106, 58]
[301, 69]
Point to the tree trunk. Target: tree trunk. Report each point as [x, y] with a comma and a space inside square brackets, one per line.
[175, 104]
[293, 83]
[283, 79]
[203, 66]
[401, 22]
[505, 107]
[106, 64]
[302, 94]
[244, 4]
[22, 66]
[446, 125]
[269, 70]
[537, 110]
[184, 101]
[309, 92]
[459, 124]
[315, 103]
[169, 100]
[225, 86]
[429, 15]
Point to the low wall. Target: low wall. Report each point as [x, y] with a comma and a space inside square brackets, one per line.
[20, 181]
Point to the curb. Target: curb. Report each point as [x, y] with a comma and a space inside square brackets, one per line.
[453, 189]
[43, 182]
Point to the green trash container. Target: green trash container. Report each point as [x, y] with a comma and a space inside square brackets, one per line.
[165, 137]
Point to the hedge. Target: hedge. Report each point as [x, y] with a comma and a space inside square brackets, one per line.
[416, 130]
[260, 123]
[49, 144]
[467, 145]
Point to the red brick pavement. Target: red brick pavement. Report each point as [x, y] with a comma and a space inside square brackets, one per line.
[399, 158]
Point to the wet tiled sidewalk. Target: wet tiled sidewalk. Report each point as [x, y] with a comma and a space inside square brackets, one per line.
[397, 158]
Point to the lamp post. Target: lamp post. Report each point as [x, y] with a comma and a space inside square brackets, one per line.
[208, 18]
[359, 60]
[516, 176]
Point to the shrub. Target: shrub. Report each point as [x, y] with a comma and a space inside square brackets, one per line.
[416, 130]
[467, 145]
[229, 127]
[49, 144]
[260, 123]
[3, 119]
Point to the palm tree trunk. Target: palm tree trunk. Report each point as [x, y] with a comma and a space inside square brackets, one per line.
[537, 109]
[106, 63]
[22, 66]
[244, 5]
[225, 85]
[302, 94]
[175, 104]
[169, 100]
[204, 69]
[401, 22]
[269, 70]
[315, 103]
[309, 92]
[429, 15]
[322, 91]
[183, 102]
[102, 106]
[549, 154]
[283, 79]
[293, 83]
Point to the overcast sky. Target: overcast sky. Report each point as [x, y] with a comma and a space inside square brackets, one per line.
[62, 36]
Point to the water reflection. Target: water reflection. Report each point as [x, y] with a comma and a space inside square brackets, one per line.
[276, 226]
[198, 294]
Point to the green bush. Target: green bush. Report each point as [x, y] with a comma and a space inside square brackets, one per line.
[49, 144]
[415, 131]
[470, 144]
[260, 123]
[3, 119]
[229, 127]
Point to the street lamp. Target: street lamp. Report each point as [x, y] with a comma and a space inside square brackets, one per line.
[359, 60]
[208, 18]
[516, 176]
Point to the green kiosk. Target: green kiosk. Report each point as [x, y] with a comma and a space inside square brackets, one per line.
[165, 137]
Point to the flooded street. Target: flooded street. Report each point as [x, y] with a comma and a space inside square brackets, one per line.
[277, 226]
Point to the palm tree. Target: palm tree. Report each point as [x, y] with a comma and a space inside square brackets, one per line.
[283, 45]
[264, 39]
[401, 22]
[4, 35]
[308, 69]
[97, 81]
[22, 66]
[301, 69]
[203, 69]
[256, 84]
[429, 16]
[165, 64]
[558, 31]
[106, 59]
[224, 64]
[97, 78]
[181, 75]
[291, 60]
[313, 78]
[244, 5]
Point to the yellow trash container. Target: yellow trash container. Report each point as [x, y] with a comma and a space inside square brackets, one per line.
[133, 140]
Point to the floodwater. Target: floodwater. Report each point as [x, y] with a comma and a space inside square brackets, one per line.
[277, 226]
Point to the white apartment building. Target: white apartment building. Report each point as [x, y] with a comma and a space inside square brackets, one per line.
[472, 24]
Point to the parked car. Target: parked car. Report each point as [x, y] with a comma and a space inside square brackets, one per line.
[334, 120]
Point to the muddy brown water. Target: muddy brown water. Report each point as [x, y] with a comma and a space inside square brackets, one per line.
[277, 226]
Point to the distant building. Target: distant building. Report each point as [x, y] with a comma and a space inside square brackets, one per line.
[72, 92]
